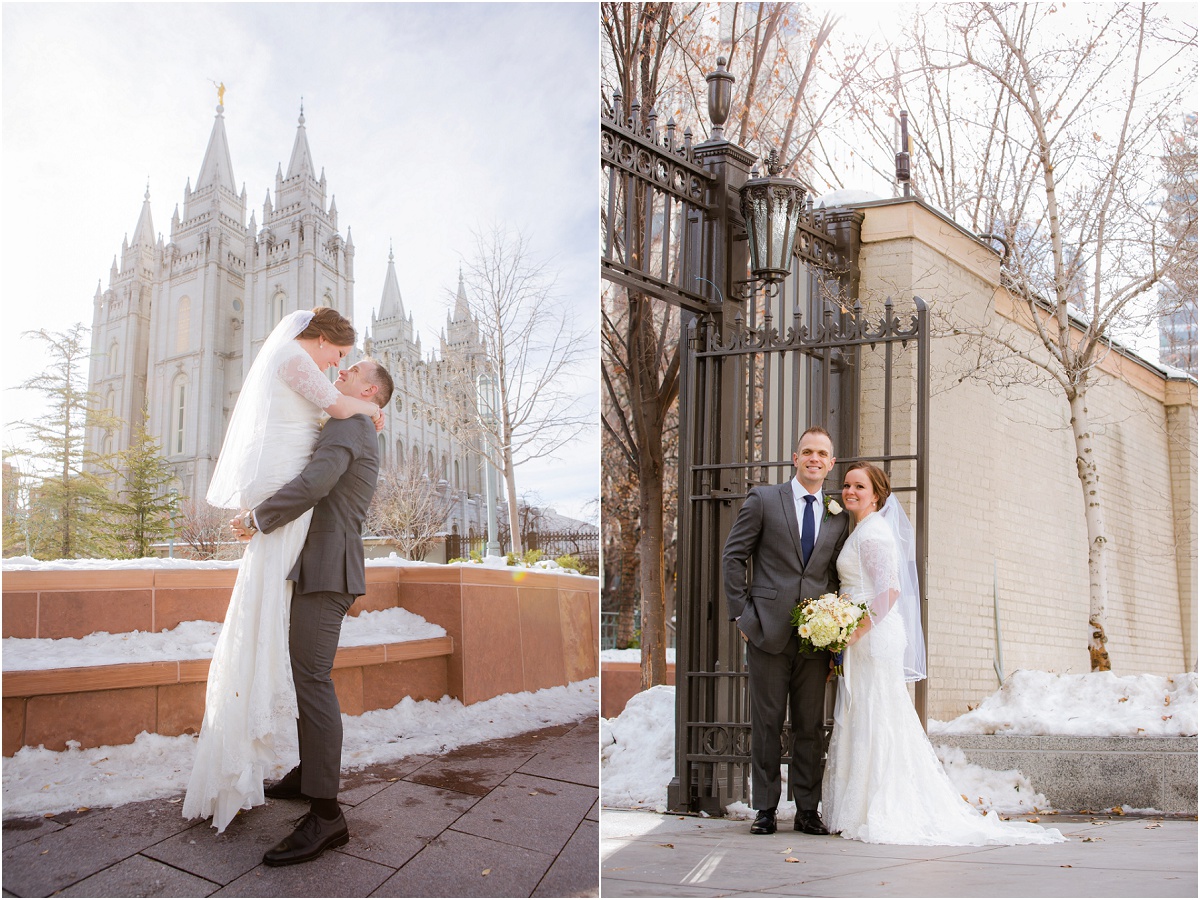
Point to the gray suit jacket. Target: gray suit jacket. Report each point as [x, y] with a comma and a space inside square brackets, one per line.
[337, 484]
[767, 531]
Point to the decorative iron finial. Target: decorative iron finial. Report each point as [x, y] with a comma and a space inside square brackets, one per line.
[772, 161]
[720, 93]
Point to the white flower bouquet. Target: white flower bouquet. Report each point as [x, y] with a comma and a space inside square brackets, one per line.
[827, 623]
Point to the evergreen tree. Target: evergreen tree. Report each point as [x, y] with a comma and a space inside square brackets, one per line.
[141, 509]
[66, 506]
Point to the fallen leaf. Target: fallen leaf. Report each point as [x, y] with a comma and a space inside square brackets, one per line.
[390, 780]
[49, 816]
[1167, 700]
[1164, 718]
[486, 872]
[1154, 825]
[792, 859]
[1123, 700]
[1091, 840]
[668, 846]
[786, 850]
[964, 796]
[1117, 811]
[1066, 867]
[43, 853]
[1033, 819]
[533, 793]
[83, 809]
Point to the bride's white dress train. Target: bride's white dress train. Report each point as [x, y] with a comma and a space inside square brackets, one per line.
[883, 783]
[250, 698]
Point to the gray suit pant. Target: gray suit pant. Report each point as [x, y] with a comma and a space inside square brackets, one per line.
[316, 625]
[786, 683]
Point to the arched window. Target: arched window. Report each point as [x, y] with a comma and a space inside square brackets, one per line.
[114, 358]
[457, 477]
[178, 414]
[382, 448]
[400, 457]
[429, 464]
[277, 304]
[444, 471]
[183, 325]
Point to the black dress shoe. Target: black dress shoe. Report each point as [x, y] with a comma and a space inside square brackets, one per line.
[314, 836]
[809, 822]
[764, 822]
[286, 788]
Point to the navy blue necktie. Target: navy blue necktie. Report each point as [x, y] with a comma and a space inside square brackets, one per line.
[808, 529]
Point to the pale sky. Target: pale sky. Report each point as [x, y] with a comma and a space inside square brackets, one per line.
[428, 119]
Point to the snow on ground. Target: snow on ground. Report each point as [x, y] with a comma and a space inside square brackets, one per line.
[193, 640]
[29, 564]
[1095, 704]
[634, 655]
[637, 748]
[39, 781]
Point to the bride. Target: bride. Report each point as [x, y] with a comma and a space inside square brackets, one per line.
[883, 783]
[250, 698]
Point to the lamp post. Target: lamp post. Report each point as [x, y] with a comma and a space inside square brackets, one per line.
[772, 206]
[487, 405]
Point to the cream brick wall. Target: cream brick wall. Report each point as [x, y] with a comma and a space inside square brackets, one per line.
[1004, 495]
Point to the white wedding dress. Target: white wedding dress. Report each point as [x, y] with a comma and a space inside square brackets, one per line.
[250, 698]
[883, 783]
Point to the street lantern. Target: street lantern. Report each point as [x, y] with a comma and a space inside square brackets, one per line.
[771, 207]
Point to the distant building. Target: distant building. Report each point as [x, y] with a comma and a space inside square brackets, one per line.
[181, 320]
[1177, 292]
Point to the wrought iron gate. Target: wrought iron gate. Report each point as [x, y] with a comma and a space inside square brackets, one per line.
[759, 364]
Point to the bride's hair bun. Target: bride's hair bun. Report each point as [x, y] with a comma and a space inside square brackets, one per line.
[330, 324]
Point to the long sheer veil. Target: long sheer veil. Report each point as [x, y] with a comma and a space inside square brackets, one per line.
[240, 464]
[909, 603]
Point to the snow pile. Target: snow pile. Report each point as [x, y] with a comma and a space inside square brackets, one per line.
[637, 751]
[29, 564]
[1007, 792]
[193, 640]
[634, 655]
[40, 781]
[1096, 704]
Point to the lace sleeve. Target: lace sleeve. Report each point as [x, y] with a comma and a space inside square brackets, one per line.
[301, 374]
[880, 564]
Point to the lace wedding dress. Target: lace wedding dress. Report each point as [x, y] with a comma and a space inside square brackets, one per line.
[883, 783]
[250, 698]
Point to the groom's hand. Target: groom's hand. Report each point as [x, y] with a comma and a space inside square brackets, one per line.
[239, 529]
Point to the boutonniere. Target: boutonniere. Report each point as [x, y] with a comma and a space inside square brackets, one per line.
[832, 507]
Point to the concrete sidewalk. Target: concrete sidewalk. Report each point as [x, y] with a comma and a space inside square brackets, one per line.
[508, 818]
[644, 854]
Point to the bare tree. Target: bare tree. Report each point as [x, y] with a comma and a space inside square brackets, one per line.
[535, 352]
[205, 531]
[1048, 132]
[409, 508]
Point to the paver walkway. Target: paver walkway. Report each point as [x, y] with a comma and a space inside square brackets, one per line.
[509, 818]
[645, 854]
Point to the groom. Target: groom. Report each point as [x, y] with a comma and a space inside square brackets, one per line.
[337, 484]
[793, 533]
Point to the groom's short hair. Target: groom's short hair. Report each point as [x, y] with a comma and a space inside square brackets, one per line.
[814, 429]
[377, 375]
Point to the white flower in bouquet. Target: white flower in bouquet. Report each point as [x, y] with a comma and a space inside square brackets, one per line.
[827, 622]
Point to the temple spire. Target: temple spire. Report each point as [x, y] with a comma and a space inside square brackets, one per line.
[391, 305]
[301, 162]
[217, 168]
[143, 232]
